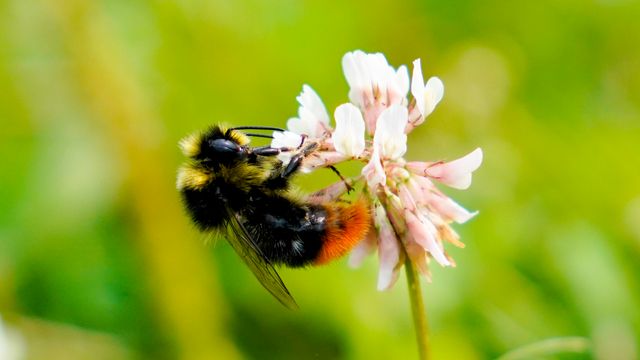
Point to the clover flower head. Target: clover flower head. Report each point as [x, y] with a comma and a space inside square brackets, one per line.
[411, 215]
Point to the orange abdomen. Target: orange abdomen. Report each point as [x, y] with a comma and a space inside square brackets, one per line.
[346, 226]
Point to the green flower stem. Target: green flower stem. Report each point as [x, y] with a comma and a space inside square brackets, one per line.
[418, 309]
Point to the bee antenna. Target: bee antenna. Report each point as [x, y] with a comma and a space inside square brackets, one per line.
[259, 135]
[257, 128]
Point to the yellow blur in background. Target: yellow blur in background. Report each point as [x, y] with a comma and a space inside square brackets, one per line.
[98, 261]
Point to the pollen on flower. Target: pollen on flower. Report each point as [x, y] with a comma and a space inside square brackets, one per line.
[411, 216]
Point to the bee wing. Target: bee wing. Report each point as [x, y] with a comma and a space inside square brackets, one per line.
[241, 241]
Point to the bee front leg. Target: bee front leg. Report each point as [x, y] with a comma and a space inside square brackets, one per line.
[279, 178]
[266, 151]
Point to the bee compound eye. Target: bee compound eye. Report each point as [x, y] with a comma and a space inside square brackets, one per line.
[224, 150]
[223, 146]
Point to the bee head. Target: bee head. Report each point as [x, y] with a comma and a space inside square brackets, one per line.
[216, 146]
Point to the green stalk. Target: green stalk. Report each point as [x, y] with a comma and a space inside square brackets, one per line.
[417, 309]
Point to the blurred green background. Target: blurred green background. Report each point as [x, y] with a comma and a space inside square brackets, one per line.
[98, 261]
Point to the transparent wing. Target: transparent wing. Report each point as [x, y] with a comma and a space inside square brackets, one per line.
[241, 241]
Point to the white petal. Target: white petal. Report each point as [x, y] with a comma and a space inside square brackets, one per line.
[351, 69]
[390, 135]
[310, 101]
[433, 93]
[297, 126]
[397, 85]
[286, 139]
[457, 173]
[402, 77]
[426, 96]
[312, 118]
[348, 137]
[417, 85]
[357, 75]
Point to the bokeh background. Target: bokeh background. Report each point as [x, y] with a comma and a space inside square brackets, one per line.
[98, 261]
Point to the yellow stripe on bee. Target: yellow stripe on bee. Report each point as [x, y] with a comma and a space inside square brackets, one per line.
[243, 176]
[238, 137]
[190, 145]
[193, 178]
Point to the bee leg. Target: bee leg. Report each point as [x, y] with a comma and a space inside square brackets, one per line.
[346, 183]
[293, 165]
[279, 178]
[266, 151]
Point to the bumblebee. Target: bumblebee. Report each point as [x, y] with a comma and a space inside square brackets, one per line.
[227, 185]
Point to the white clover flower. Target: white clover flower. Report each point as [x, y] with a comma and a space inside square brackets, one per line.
[411, 216]
[374, 84]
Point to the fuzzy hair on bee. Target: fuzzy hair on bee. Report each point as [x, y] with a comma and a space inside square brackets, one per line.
[227, 185]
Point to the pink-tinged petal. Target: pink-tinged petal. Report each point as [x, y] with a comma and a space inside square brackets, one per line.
[329, 193]
[419, 167]
[406, 197]
[424, 233]
[321, 159]
[456, 173]
[446, 233]
[371, 115]
[448, 209]
[379, 69]
[390, 136]
[389, 253]
[363, 249]
[420, 191]
[348, 137]
[425, 184]
[419, 258]
[373, 172]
